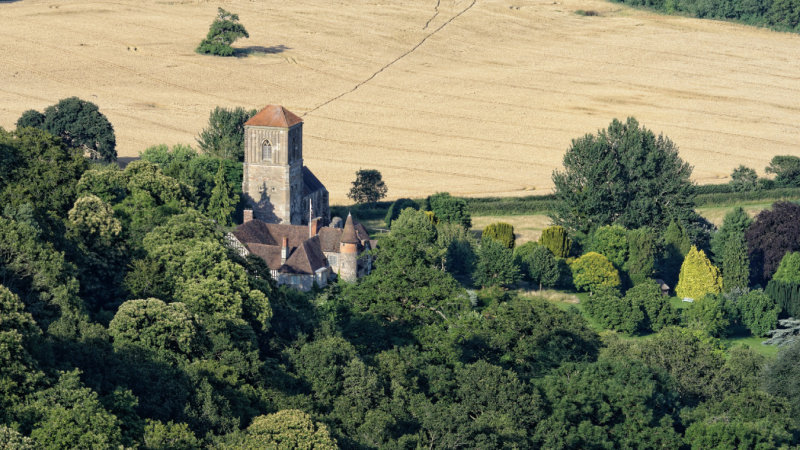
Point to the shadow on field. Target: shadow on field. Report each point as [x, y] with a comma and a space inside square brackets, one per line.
[258, 50]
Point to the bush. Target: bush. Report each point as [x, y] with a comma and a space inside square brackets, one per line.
[698, 276]
[744, 179]
[397, 206]
[759, 312]
[556, 240]
[501, 232]
[789, 268]
[449, 209]
[658, 311]
[708, 314]
[594, 271]
[615, 313]
[31, 118]
[223, 32]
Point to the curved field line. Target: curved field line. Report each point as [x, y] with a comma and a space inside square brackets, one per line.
[435, 13]
[393, 61]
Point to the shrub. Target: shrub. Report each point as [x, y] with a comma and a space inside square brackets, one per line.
[397, 206]
[789, 269]
[708, 314]
[223, 32]
[501, 232]
[698, 276]
[759, 312]
[658, 311]
[594, 271]
[31, 118]
[615, 313]
[556, 240]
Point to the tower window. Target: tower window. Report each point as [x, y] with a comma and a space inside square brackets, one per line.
[266, 151]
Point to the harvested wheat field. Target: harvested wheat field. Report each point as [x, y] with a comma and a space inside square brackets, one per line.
[475, 97]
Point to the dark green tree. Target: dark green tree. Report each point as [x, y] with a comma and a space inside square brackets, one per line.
[786, 169]
[781, 376]
[449, 209]
[676, 245]
[641, 255]
[744, 179]
[225, 29]
[750, 419]
[170, 435]
[735, 265]
[759, 312]
[222, 203]
[537, 264]
[224, 135]
[31, 118]
[81, 125]
[708, 314]
[608, 404]
[397, 206]
[368, 187]
[496, 266]
[658, 311]
[735, 222]
[615, 312]
[624, 175]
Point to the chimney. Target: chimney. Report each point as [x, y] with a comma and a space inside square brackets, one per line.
[284, 250]
[247, 216]
[313, 227]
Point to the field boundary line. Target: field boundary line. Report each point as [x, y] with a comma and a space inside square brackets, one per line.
[389, 64]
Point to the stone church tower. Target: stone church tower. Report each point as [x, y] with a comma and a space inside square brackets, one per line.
[277, 186]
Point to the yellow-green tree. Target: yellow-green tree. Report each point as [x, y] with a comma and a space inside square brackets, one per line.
[698, 276]
[592, 271]
[555, 238]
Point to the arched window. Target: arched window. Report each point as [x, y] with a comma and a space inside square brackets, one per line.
[266, 151]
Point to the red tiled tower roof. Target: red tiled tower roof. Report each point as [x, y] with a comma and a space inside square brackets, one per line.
[349, 232]
[274, 116]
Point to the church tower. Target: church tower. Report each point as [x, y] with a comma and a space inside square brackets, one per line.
[273, 166]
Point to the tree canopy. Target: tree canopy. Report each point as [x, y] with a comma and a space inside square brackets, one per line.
[225, 29]
[368, 187]
[625, 175]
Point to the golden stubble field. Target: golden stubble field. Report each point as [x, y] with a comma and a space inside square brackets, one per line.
[473, 97]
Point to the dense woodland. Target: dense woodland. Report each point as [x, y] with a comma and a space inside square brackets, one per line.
[126, 321]
[781, 15]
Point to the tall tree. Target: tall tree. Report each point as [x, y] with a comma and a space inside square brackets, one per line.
[641, 255]
[224, 135]
[221, 204]
[735, 265]
[623, 175]
[786, 169]
[744, 179]
[225, 29]
[368, 187]
[735, 222]
[81, 125]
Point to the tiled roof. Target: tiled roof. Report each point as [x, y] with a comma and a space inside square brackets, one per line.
[329, 238]
[306, 258]
[274, 116]
[349, 233]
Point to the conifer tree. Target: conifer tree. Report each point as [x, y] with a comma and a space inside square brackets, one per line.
[641, 254]
[736, 222]
[698, 276]
[501, 232]
[676, 245]
[735, 265]
[221, 204]
[555, 238]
